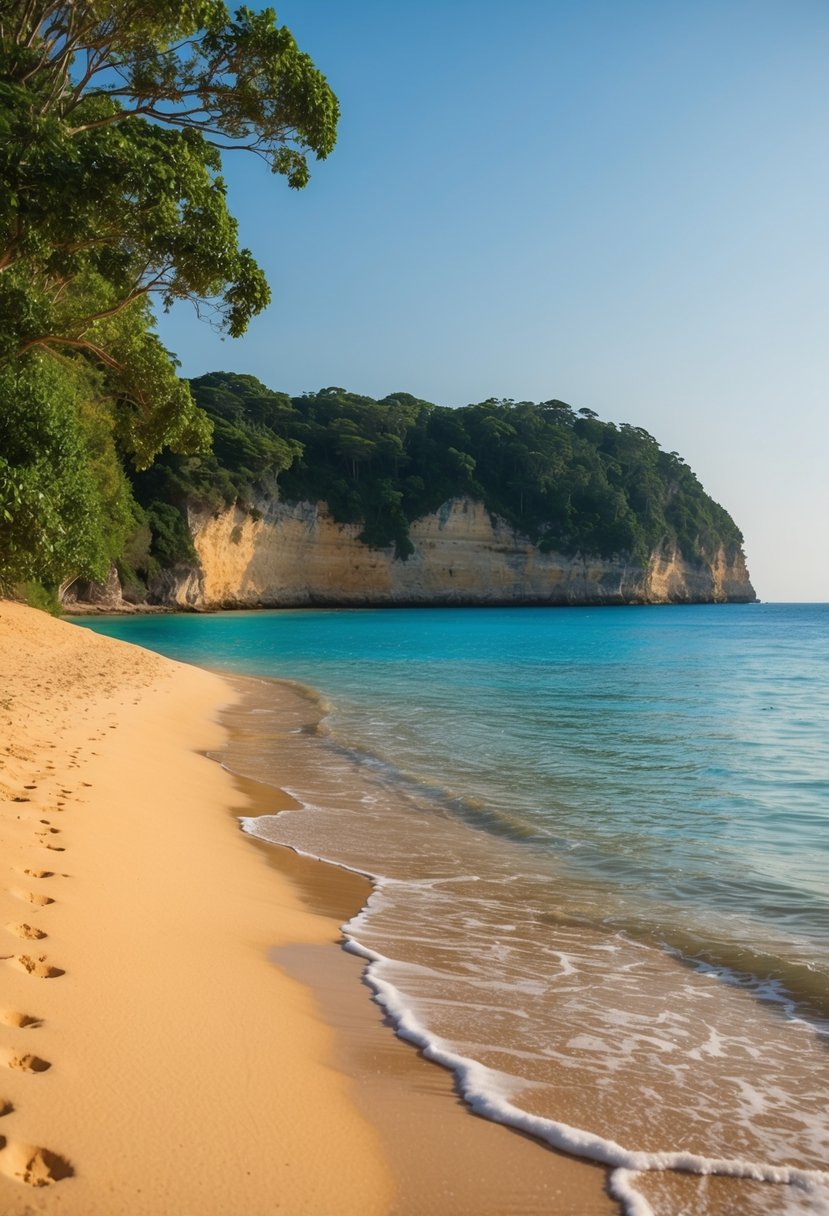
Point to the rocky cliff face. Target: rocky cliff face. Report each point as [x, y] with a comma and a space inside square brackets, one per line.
[80, 596]
[294, 555]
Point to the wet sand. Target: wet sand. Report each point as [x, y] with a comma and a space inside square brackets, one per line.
[444, 1159]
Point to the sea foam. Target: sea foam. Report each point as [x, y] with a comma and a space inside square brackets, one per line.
[489, 1092]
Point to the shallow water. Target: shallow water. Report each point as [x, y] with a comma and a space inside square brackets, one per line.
[600, 863]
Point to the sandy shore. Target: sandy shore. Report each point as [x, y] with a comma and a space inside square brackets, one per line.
[155, 1061]
[179, 1032]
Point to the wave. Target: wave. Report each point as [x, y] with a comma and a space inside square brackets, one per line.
[487, 1091]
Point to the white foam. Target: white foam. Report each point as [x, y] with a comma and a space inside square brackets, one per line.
[488, 1092]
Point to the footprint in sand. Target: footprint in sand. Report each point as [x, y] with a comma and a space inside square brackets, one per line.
[6, 1107]
[32, 897]
[20, 929]
[38, 967]
[24, 1061]
[20, 1021]
[32, 1165]
[40, 873]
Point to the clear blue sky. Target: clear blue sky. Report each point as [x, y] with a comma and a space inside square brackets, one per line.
[620, 203]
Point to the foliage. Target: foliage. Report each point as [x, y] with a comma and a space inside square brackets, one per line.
[113, 118]
[37, 596]
[171, 540]
[246, 451]
[64, 501]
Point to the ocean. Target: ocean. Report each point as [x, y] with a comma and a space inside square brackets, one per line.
[599, 850]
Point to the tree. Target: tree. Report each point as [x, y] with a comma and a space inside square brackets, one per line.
[113, 116]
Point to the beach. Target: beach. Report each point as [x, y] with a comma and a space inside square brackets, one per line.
[586, 851]
[180, 1028]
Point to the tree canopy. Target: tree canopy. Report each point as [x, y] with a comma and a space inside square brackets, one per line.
[114, 115]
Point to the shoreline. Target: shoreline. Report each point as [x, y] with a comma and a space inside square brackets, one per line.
[671, 1171]
[444, 1157]
[83, 608]
[169, 1064]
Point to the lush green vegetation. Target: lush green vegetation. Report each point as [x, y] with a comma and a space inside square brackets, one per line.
[562, 477]
[112, 114]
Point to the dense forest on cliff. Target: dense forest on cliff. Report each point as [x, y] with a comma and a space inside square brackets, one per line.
[564, 478]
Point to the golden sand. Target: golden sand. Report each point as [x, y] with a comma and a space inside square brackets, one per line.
[156, 1062]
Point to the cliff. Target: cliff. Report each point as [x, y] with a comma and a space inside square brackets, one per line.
[295, 555]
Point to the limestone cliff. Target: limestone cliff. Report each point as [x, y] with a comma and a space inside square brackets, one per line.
[294, 555]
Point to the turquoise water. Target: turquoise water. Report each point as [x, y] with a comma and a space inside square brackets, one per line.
[599, 843]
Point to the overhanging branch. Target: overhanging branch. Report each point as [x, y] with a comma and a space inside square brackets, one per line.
[74, 344]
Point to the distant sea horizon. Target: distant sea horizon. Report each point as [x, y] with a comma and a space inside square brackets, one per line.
[599, 848]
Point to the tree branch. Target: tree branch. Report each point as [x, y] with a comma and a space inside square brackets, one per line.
[136, 294]
[74, 344]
